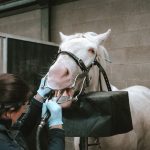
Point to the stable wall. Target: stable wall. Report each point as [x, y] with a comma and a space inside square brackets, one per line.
[129, 44]
[32, 24]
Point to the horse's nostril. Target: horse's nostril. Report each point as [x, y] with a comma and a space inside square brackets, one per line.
[66, 72]
[59, 73]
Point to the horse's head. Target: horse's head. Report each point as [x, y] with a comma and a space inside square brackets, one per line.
[77, 53]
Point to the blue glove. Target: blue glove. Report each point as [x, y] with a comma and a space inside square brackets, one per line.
[55, 112]
[43, 90]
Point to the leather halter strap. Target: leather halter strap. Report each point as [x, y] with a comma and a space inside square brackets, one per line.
[104, 75]
[79, 61]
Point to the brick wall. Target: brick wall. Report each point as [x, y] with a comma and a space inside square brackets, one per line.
[129, 44]
[26, 24]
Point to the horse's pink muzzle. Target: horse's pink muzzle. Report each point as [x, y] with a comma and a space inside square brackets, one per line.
[59, 77]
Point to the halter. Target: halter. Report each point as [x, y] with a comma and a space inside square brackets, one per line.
[79, 61]
[85, 70]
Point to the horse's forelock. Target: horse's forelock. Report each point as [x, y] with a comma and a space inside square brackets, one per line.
[65, 38]
[88, 35]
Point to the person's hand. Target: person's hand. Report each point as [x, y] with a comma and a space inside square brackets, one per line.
[55, 109]
[43, 90]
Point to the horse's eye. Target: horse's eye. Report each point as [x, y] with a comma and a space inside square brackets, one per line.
[91, 50]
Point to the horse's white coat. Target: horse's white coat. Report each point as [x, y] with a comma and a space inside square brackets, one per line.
[139, 96]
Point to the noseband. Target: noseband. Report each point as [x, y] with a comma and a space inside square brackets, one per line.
[79, 61]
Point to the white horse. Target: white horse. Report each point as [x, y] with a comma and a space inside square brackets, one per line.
[61, 75]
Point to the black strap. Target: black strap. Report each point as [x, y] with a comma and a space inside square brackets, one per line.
[104, 75]
[100, 82]
[76, 59]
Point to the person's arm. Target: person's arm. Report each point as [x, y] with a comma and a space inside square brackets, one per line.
[56, 139]
[56, 132]
[33, 116]
[6, 146]
[7, 142]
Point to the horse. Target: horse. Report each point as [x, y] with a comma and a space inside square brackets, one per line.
[77, 53]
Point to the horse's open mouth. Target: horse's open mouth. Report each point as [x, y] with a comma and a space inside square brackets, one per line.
[64, 92]
[62, 96]
[72, 92]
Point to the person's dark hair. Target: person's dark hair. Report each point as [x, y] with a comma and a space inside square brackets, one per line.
[14, 92]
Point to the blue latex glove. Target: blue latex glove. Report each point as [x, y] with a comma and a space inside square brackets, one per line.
[55, 112]
[43, 90]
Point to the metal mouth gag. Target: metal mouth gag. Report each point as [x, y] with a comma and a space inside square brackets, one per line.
[62, 99]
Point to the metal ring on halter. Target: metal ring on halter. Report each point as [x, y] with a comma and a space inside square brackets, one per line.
[81, 90]
[82, 75]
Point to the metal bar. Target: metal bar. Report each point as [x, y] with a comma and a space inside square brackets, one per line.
[4, 54]
[1, 55]
[17, 37]
[83, 143]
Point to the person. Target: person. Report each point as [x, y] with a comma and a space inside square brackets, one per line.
[14, 96]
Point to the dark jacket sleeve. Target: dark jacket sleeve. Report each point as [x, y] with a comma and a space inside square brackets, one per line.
[7, 142]
[31, 118]
[56, 139]
[6, 146]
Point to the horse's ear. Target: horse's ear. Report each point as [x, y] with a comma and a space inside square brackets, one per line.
[62, 36]
[103, 37]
